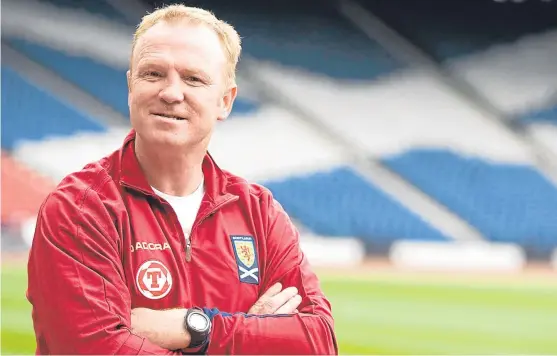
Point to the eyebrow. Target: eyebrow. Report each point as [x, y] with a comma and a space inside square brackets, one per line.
[151, 63]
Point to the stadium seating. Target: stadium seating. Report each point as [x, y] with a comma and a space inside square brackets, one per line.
[272, 143]
[506, 38]
[97, 7]
[281, 41]
[507, 203]
[23, 191]
[548, 115]
[106, 83]
[531, 86]
[31, 113]
[71, 152]
[444, 29]
[340, 203]
[359, 93]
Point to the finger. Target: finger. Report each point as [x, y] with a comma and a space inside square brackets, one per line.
[264, 305]
[290, 305]
[278, 300]
[272, 291]
[269, 304]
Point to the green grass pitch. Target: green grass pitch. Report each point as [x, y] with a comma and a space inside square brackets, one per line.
[388, 316]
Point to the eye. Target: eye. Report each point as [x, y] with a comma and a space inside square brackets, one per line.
[151, 74]
[193, 79]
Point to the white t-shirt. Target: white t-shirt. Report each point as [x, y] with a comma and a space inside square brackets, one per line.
[185, 207]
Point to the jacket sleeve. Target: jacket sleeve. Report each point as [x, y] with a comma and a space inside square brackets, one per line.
[80, 302]
[309, 332]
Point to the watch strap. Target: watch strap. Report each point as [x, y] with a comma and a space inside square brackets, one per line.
[197, 339]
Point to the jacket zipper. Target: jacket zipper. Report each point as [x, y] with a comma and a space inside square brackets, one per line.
[188, 236]
[211, 212]
[188, 247]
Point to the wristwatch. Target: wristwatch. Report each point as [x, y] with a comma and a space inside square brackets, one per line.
[198, 325]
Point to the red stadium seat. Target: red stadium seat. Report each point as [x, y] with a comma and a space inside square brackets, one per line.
[23, 191]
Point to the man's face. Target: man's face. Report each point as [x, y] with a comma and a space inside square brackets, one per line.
[177, 85]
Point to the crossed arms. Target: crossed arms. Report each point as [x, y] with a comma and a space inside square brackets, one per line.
[81, 304]
[165, 327]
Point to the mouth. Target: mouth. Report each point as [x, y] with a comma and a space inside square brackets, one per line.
[169, 116]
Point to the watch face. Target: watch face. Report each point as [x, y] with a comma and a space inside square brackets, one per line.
[198, 321]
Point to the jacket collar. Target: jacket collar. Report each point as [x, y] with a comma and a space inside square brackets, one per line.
[131, 174]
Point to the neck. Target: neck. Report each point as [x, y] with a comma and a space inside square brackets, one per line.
[171, 171]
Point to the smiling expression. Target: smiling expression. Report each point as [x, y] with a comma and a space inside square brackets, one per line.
[178, 89]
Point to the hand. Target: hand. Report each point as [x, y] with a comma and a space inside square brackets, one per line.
[163, 328]
[275, 301]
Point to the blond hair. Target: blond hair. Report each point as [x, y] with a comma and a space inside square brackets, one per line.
[229, 38]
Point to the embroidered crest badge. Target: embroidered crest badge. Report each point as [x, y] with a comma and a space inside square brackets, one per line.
[246, 258]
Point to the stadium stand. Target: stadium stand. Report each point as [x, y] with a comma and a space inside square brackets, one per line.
[341, 203]
[443, 29]
[21, 203]
[507, 203]
[96, 7]
[23, 191]
[106, 83]
[512, 38]
[545, 115]
[31, 113]
[533, 83]
[280, 42]
[102, 81]
[354, 91]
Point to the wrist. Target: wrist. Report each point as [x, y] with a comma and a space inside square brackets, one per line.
[197, 326]
[172, 329]
[186, 334]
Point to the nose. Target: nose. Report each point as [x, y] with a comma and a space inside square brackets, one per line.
[172, 92]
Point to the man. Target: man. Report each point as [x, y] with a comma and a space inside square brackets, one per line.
[156, 250]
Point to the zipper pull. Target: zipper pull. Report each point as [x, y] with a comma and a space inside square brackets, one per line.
[188, 248]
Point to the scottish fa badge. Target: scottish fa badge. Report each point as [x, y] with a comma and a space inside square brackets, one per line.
[246, 258]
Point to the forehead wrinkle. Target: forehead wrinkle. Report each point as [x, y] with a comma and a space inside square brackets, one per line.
[154, 58]
[167, 62]
[161, 45]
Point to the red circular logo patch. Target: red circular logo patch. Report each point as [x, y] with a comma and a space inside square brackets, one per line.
[154, 280]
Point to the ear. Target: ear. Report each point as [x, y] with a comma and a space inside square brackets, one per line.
[129, 78]
[227, 101]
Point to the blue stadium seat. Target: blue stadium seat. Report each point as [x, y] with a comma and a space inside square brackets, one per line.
[352, 57]
[546, 115]
[97, 7]
[244, 106]
[32, 113]
[107, 84]
[507, 203]
[341, 203]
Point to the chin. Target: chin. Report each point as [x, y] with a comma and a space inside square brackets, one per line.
[171, 139]
[154, 136]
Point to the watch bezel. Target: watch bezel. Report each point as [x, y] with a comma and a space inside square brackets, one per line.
[198, 313]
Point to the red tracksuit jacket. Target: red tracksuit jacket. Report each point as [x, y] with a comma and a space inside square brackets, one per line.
[105, 243]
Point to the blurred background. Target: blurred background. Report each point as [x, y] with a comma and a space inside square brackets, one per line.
[413, 142]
